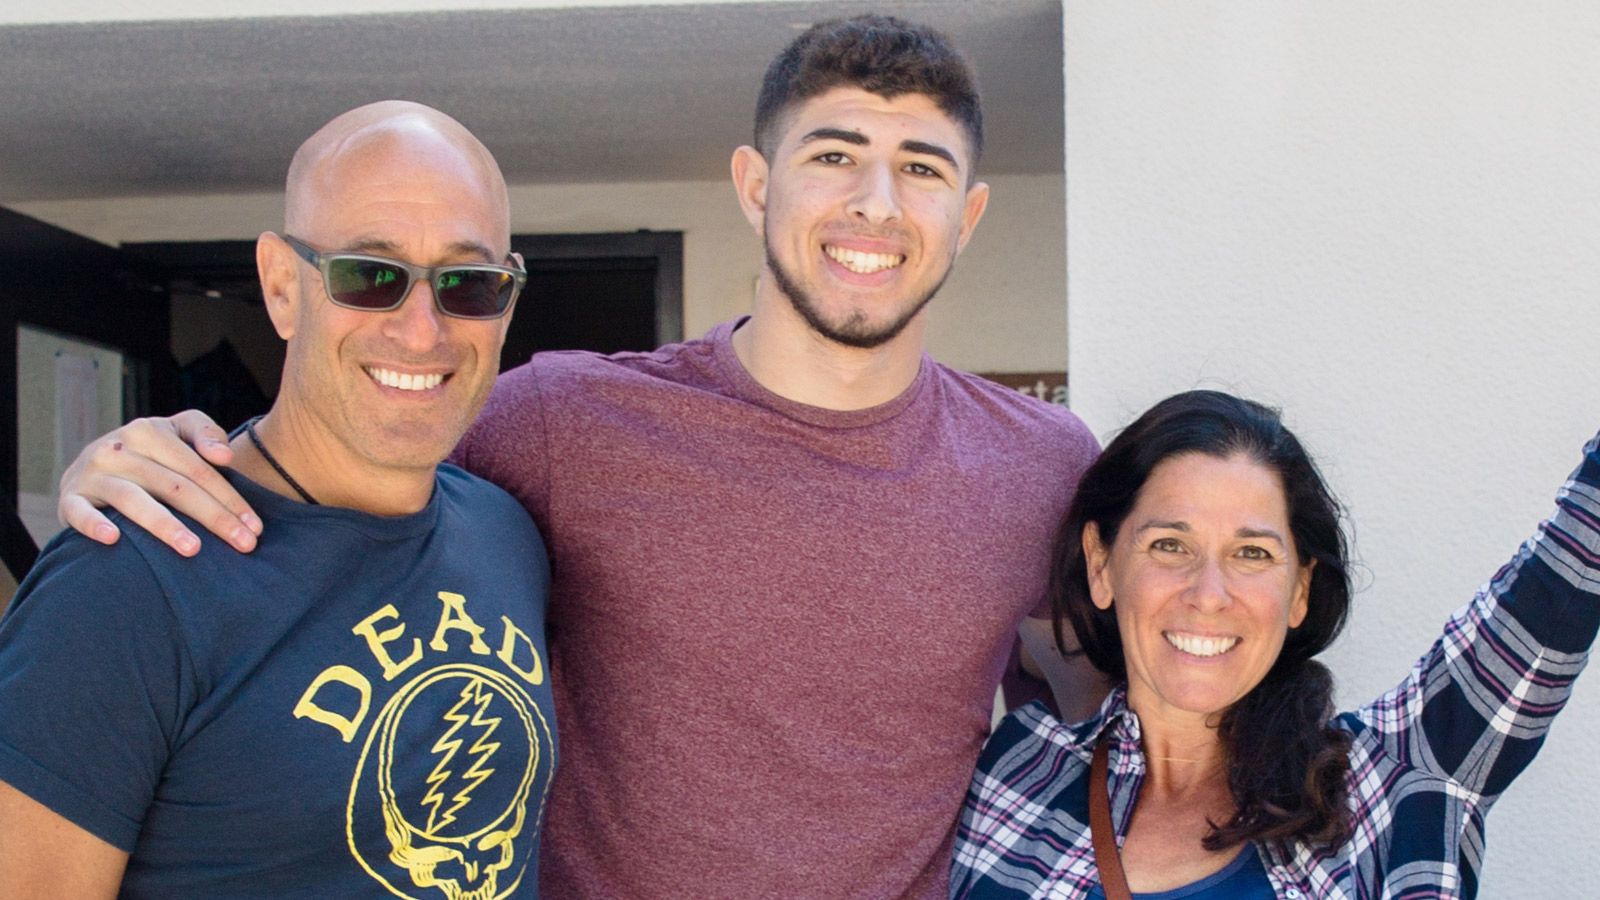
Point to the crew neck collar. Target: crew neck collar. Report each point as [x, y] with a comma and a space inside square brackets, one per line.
[270, 506]
[746, 387]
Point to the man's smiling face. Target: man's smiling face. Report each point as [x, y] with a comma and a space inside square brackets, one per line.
[865, 204]
[396, 388]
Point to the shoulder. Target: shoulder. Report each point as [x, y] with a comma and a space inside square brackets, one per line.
[493, 521]
[83, 600]
[558, 382]
[578, 375]
[73, 570]
[1029, 735]
[471, 495]
[141, 583]
[1046, 427]
[462, 487]
[1028, 792]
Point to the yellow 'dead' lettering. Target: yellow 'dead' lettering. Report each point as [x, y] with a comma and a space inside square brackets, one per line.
[346, 726]
[376, 640]
[508, 648]
[454, 616]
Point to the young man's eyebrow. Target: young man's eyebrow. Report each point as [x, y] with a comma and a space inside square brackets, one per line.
[930, 150]
[836, 134]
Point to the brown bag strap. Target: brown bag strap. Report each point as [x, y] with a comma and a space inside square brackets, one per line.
[1106, 857]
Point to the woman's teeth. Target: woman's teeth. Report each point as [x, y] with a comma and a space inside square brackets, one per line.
[1195, 645]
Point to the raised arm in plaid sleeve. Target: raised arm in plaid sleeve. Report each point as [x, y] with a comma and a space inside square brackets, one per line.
[1477, 705]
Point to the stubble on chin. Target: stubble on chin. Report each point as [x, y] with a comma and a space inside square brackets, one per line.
[855, 331]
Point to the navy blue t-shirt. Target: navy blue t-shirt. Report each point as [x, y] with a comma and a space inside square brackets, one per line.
[360, 707]
[1242, 879]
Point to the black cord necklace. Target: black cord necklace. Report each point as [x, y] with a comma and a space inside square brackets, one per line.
[250, 429]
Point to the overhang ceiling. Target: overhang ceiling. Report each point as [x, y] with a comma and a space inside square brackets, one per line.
[645, 93]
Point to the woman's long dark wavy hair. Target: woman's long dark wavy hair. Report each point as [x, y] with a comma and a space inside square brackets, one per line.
[1286, 767]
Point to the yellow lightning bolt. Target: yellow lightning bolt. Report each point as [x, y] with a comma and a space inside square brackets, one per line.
[482, 749]
[447, 744]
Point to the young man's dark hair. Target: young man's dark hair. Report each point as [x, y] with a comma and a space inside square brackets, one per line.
[878, 54]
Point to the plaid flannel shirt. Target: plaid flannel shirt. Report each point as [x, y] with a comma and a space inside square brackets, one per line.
[1427, 759]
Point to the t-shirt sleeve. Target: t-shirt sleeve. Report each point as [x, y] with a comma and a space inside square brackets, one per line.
[507, 445]
[91, 673]
[1075, 448]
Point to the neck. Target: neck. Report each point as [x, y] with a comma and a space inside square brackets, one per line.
[325, 468]
[785, 355]
[1183, 753]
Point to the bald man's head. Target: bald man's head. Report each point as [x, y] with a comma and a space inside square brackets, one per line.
[383, 141]
[395, 388]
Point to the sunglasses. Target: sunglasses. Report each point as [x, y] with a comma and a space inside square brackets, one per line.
[380, 284]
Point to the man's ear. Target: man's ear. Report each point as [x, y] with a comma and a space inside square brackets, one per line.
[1096, 555]
[750, 174]
[278, 267]
[971, 211]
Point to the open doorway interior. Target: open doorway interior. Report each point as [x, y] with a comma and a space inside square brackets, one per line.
[602, 292]
[83, 338]
[69, 391]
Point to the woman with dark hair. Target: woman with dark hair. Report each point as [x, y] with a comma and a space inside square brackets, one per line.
[1202, 567]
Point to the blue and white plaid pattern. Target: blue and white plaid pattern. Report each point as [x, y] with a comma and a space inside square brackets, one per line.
[1427, 761]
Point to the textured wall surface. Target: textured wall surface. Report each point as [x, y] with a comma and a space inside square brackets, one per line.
[1383, 218]
[1000, 311]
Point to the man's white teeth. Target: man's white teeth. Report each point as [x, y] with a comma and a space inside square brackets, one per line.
[1194, 645]
[863, 263]
[405, 381]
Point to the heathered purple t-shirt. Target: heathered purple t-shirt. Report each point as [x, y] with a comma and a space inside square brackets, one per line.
[775, 630]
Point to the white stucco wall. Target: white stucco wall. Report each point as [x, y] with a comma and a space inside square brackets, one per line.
[1382, 217]
[1000, 311]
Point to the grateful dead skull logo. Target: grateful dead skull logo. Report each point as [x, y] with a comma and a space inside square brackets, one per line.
[445, 777]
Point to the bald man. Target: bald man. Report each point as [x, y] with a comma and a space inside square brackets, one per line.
[360, 707]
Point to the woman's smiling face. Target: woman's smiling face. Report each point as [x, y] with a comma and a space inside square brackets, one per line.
[1204, 580]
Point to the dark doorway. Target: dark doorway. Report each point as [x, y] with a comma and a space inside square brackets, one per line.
[229, 358]
[56, 283]
[600, 292]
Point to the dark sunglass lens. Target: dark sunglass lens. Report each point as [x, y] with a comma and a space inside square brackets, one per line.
[366, 284]
[474, 293]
